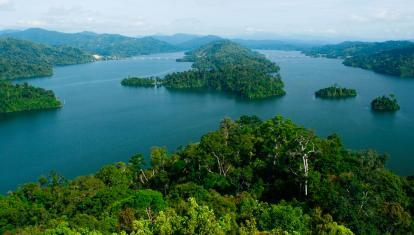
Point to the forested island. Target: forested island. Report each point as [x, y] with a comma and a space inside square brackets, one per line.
[226, 66]
[335, 92]
[249, 176]
[392, 57]
[24, 59]
[385, 103]
[141, 82]
[17, 98]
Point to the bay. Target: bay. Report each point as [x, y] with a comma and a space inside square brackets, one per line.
[102, 122]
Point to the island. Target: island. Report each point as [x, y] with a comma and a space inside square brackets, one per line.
[247, 177]
[140, 82]
[23, 97]
[227, 66]
[335, 92]
[385, 104]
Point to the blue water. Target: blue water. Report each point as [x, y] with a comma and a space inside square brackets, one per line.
[102, 122]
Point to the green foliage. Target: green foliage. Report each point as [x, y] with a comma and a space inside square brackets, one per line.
[140, 82]
[351, 49]
[335, 92]
[385, 104]
[391, 57]
[112, 45]
[23, 59]
[227, 66]
[397, 62]
[247, 177]
[17, 98]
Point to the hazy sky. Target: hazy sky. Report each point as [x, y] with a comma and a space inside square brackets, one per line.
[359, 19]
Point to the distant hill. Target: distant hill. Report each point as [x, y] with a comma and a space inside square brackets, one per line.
[6, 31]
[397, 62]
[348, 49]
[102, 44]
[391, 57]
[176, 38]
[273, 44]
[191, 41]
[23, 59]
[198, 42]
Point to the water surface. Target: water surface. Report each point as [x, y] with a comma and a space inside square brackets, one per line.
[103, 122]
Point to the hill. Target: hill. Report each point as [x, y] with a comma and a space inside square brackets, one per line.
[24, 59]
[391, 57]
[198, 42]
[227, 66]
[248, 177]
[274, 44]
[176, 38]
[102, 44]
[350, 49]
[396, 62]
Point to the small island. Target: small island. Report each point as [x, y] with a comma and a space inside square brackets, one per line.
[385, 104]
[140, 82]
[23, 97]
[335, 92]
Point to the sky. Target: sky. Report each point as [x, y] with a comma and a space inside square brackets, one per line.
[265, 19]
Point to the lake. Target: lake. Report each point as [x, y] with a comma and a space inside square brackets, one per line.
[102, 122]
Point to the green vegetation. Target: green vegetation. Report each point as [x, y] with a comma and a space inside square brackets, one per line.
[17, 98]
[248, 176]
[227, 66]
[350, 49]
[385, 103]
[23, 59]
[393, 57]
[140, 82]
[396, 62]
[111, 45]
[335, 92]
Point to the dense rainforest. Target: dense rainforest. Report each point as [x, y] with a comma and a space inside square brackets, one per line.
[140, 82]
[23, 97]
[112, 45]
[227, 66]
[397, 62]
[249, 176]
[24, 59]
[385, 103]
[335, 92]
[392, 57]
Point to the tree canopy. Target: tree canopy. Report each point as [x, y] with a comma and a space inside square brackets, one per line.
[249, 176]
[23, 97]
[24, 59]
[335, 92]
[227, 66]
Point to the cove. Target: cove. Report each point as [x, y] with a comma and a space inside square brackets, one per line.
[102, 122]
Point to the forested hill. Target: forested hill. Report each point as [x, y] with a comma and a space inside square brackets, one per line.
[227, 66]
[396, 62]
[391, 57]
[23, 59]
[247, 177]
[350, 49]
[102, 44]
[224, 53]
